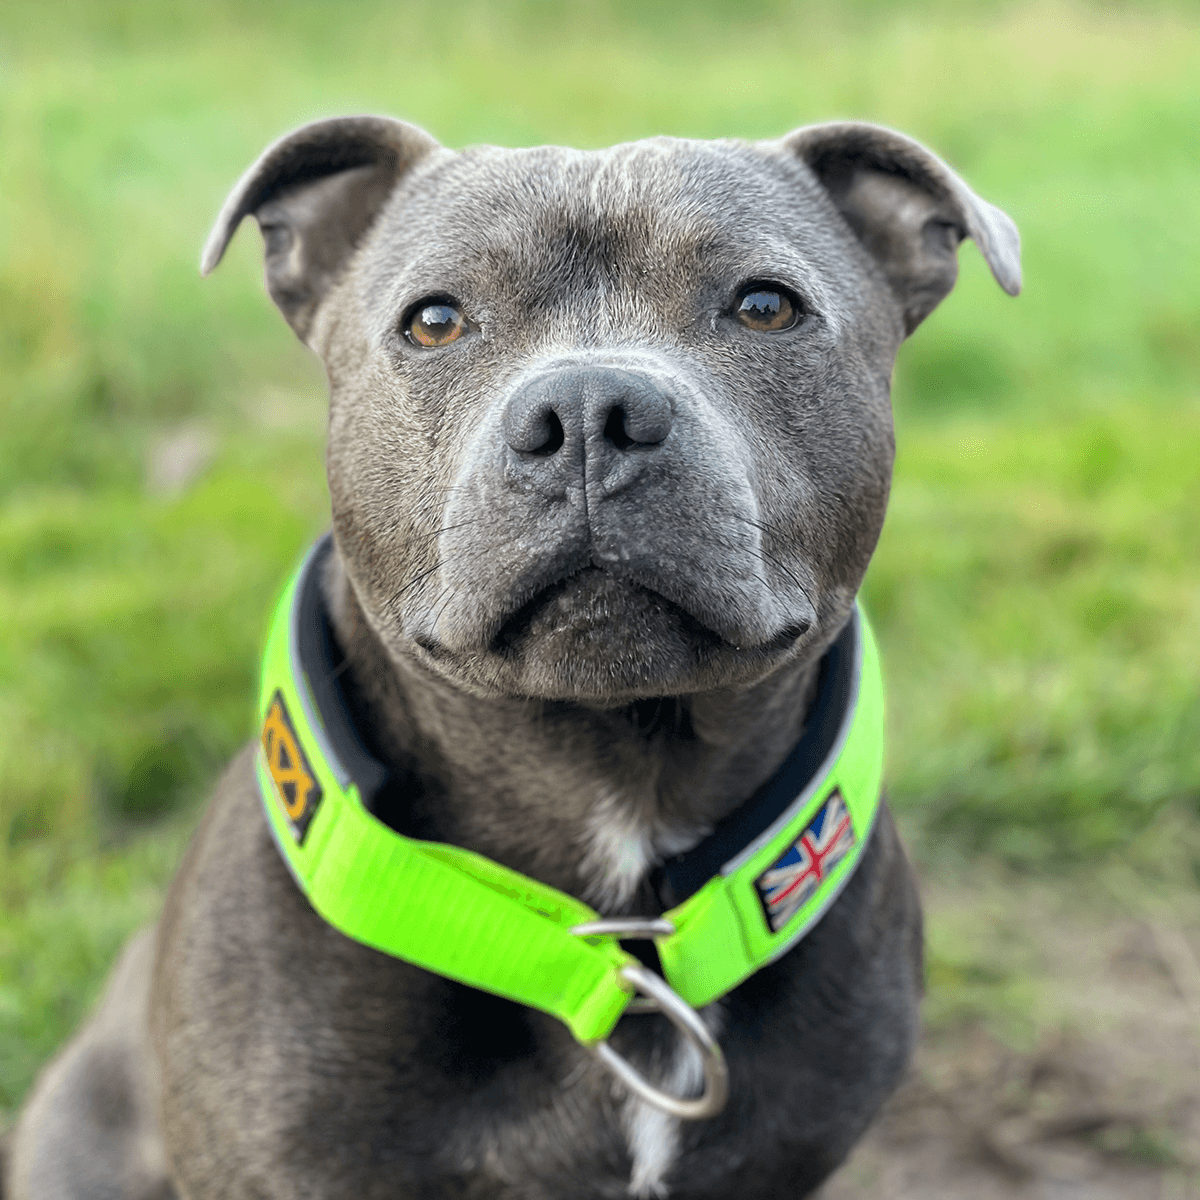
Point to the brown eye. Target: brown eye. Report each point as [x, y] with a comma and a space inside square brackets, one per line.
[767, 309]
[436, 324]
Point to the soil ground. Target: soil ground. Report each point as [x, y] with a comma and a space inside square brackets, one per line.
[1082, 1082]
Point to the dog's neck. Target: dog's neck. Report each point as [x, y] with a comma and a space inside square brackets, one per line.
[588, 800]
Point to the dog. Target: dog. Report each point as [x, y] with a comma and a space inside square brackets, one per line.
[610, 446]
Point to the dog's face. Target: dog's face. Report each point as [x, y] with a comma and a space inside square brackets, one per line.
[647, 449]
[608, 425]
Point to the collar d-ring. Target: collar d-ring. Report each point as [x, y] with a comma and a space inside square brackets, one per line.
[656, 995]
[687, 1020]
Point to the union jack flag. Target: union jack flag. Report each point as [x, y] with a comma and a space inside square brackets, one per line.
[791, 880]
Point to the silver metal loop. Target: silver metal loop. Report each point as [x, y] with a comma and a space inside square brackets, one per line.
[685, 1018]
[627, 928]
[632, 929]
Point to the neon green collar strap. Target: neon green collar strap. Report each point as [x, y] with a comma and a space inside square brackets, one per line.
[740, 899]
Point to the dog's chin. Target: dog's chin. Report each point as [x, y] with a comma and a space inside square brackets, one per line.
[594, 639]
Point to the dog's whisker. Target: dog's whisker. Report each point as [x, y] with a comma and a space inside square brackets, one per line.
[763, 554]
[415, 581]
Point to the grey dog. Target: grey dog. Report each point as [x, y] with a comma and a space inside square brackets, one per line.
[610, 446]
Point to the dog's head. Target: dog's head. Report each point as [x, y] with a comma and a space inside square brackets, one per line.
[615, 424]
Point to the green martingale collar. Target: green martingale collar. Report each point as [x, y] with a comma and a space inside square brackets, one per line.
[741, 898]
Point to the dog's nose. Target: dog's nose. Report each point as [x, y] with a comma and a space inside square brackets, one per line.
[584, 424]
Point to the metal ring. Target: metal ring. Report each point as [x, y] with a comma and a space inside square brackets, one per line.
[632, 929]
[685, 1018]
[627, 928]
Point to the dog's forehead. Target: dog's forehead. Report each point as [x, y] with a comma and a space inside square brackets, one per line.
[659, 185]
[652, 206]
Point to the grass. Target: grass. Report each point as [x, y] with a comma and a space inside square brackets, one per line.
[1037, 588]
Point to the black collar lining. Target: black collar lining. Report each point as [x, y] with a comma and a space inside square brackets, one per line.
[685, 874]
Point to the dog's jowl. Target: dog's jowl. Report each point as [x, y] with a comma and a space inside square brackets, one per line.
[558, 866]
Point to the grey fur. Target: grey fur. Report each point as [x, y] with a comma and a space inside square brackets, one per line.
[577, 652]
[91, 1127]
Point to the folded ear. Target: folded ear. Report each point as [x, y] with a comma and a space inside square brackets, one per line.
[315, 194]
[908, 209]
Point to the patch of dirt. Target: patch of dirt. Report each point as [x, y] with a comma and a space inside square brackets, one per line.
[1101, 1102]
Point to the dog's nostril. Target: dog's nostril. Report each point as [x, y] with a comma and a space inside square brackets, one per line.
[554, 436]
[643, 421]
[534, 424]
[615, 431]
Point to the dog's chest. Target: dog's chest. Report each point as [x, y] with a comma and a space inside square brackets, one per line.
[367, 1076]
[288, 1048]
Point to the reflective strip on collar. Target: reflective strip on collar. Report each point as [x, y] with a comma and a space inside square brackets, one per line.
[468, 918]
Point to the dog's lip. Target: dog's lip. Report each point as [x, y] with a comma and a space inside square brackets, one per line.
[511, 626]
[515, 624]
[513, 661]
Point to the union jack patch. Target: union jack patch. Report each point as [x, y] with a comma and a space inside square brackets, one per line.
[785, 885]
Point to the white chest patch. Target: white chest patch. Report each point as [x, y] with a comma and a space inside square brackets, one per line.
[653, 1136]
[622, 845]
[618, 854]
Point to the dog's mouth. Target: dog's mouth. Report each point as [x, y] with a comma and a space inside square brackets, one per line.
[609, 638]
[591, 609]
[594, 637]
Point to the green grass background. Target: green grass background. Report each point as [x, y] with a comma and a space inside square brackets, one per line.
[1037, 588]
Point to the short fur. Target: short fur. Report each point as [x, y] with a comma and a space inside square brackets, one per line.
[588, 558]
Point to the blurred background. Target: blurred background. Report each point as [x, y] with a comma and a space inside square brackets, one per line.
[1036, 590]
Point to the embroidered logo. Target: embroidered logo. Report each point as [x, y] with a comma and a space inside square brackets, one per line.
[795, 876]
[296, 785]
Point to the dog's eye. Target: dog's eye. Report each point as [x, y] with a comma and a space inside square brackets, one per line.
[437, 323]
[767, 309]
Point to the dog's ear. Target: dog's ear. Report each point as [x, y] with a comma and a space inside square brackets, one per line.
[908, 209]
[315, 194]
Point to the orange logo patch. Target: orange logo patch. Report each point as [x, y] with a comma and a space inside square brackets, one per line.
[296, 785]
